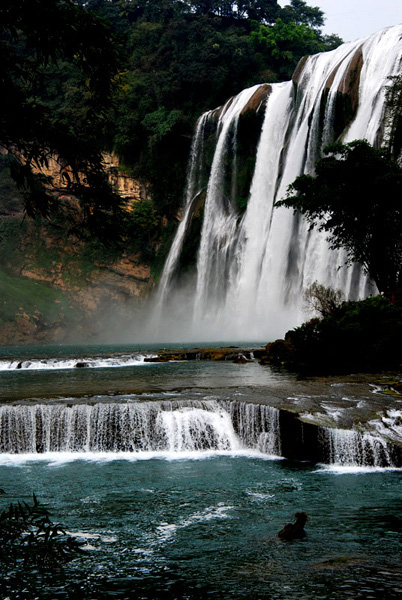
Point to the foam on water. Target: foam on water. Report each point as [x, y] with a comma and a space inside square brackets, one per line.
[353, 469]
[76, 362]
[55, 459]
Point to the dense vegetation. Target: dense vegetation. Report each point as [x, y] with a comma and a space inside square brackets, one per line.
[355, 337]
[133, 76]
[355, 196]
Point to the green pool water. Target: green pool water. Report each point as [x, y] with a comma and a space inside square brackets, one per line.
[206, 527]
[198, 525]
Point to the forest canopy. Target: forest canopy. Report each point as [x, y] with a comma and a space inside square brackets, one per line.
[133, 76]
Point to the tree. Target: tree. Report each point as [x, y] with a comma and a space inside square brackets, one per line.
[300, 13]
[286, 43]
[321, 299]
[265, 11]
[355, 196]
[57, 62]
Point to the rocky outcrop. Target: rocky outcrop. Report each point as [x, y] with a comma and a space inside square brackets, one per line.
[258, 100]
[347, 100]
[129, 188]
[234, 354]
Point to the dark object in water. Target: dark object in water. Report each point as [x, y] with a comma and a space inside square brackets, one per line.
[295, 531]
[81, 365]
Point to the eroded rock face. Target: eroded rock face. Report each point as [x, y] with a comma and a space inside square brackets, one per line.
[347, 93]
[258, 100]
[129, 188]
[347, 100]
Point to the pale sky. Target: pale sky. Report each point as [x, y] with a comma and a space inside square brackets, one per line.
[352, 19]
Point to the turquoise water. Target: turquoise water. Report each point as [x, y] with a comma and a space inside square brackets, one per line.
[199, 525]
[207, 528]
[140, 378]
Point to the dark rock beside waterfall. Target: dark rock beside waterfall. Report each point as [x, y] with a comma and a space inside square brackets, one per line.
[213, 354]
[277, 353]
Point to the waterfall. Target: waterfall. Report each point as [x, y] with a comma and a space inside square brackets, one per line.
[253, 265]
[188, 426]
[165, 426]
[351, 448]
[257, 426]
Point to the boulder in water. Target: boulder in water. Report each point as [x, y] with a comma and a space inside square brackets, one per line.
[295, 531]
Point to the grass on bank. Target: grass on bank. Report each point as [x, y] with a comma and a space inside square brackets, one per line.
[20, 295]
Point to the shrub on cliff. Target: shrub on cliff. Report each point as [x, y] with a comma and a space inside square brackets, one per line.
[357, 336]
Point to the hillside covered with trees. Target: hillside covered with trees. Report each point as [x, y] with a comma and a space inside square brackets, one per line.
[129, 77]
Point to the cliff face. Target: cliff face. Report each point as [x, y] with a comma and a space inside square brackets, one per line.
[55, 288]
[53, 292]
[129, 188]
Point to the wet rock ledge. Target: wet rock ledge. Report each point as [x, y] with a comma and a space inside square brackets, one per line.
[230, 353]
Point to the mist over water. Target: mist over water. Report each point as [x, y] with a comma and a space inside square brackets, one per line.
[252, 269]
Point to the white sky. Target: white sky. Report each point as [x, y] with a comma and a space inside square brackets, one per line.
[352, 19]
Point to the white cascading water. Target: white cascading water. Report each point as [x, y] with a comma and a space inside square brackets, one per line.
[100, 362]
[349, 448]
[172, 427]
[251, 272]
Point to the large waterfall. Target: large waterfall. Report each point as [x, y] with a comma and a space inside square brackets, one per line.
[253, 260]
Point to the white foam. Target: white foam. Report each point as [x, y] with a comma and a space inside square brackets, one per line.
[167, 531]
[37, 364]
[61, 458]
[353, 469]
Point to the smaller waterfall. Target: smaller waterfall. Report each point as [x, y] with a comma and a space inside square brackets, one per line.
[354, 449]
[149, 426]
[257, 426]
[42, 364]
[177, 427]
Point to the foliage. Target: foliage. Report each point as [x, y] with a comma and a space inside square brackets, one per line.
[285, 44]
[298, 12]
[144, 224]
[357, 336]
[321, 299]
[28, 538]
[35, 553]
[393, 117]
[57, 62]
[355, 196]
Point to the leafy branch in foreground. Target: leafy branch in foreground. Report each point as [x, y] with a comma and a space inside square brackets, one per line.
[57, 63]
[28, 538]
